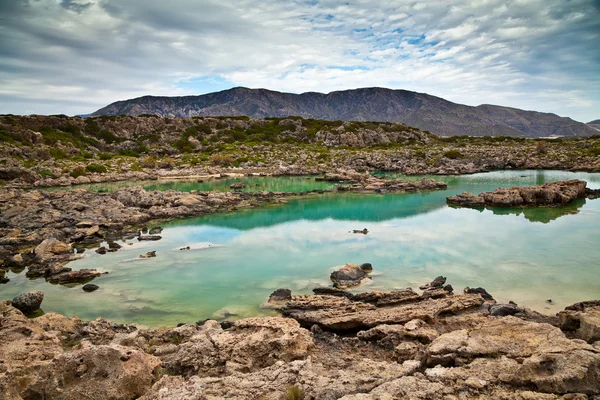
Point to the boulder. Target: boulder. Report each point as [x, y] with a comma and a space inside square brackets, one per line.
[502, 310]
[80, 276]
[52, 249]
[90, 287]
[581, 321]
[28, 302]
[149, 254]
[480, 291]
[348, 276]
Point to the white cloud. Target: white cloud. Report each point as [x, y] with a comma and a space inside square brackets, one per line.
[531, 54]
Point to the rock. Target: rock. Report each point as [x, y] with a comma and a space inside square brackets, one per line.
[280, 295]
[466, 199]
[51, 249]
[480, 291]
[149, 237]
[28, 302]
[90, 287]
[114, 245]
[363, 231]
[80, 276]
[341, 314]
[237, 186]
[502, 310]
[448, 288]
[185, 248]
[327, 291]
[367, 267]
[581, 321]
[435, 284]
[149, 254]
[548, 194]
[349, 275]
[155, 230]
[176, 387]
[101, 250]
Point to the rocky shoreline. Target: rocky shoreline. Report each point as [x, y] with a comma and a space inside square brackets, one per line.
[329, 345]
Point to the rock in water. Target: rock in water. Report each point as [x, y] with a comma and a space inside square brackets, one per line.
[437, 283]
[548, 194]
[280, 295]
[480, 291]
[237, 185]
[28, 302]
[101, 250]
[367, 267]
[155, 230]
[149, 237]
[349, 275]
[149, 254]
[90, 287]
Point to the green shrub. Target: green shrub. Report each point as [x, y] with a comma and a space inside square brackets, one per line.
[294, 393]
[58, 154]
[453, 154]
[77, 172]
[96, 168]
[105, 156]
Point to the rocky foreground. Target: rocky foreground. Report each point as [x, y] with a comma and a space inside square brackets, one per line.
[548, 194]
[333, 345]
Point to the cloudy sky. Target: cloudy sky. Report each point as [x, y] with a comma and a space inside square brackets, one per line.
[75, 56]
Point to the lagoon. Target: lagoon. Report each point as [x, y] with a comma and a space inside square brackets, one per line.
[238, 259]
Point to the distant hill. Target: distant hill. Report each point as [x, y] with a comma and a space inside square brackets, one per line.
[420, 110]
[595, 124]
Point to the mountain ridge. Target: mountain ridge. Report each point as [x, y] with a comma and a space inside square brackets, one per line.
[421, 110]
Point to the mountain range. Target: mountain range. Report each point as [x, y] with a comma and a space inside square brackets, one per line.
[420, 110]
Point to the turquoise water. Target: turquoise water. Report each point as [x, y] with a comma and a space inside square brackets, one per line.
[525, 256]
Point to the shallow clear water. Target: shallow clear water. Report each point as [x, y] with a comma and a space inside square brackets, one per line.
[525, 256]
[295, 184]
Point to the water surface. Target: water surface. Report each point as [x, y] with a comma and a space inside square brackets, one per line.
[238, 259]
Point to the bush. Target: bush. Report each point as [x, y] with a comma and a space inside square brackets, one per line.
[58, 154]
[96, 168]
[77, 172]
[223, 160]
[105, 156]
[453, 154]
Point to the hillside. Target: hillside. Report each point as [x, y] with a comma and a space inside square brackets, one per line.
[595, 124]
[420, 110]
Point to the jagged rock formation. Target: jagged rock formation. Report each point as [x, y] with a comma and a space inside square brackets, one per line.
[446, 347]
[369, 104]
[548, 194]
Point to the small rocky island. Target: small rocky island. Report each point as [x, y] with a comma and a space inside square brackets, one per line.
[547, 195]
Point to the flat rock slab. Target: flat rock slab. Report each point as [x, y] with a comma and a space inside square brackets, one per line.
[340, 313]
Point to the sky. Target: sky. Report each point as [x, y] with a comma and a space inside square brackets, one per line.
[76, 56]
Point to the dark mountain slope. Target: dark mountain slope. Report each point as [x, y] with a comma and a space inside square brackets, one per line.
[420, 110]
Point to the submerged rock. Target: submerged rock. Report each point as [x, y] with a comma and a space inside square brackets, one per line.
[349, 275]
[155, 230]
[28, 302]
[80, 276]
[90, 287]
[149, 254]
